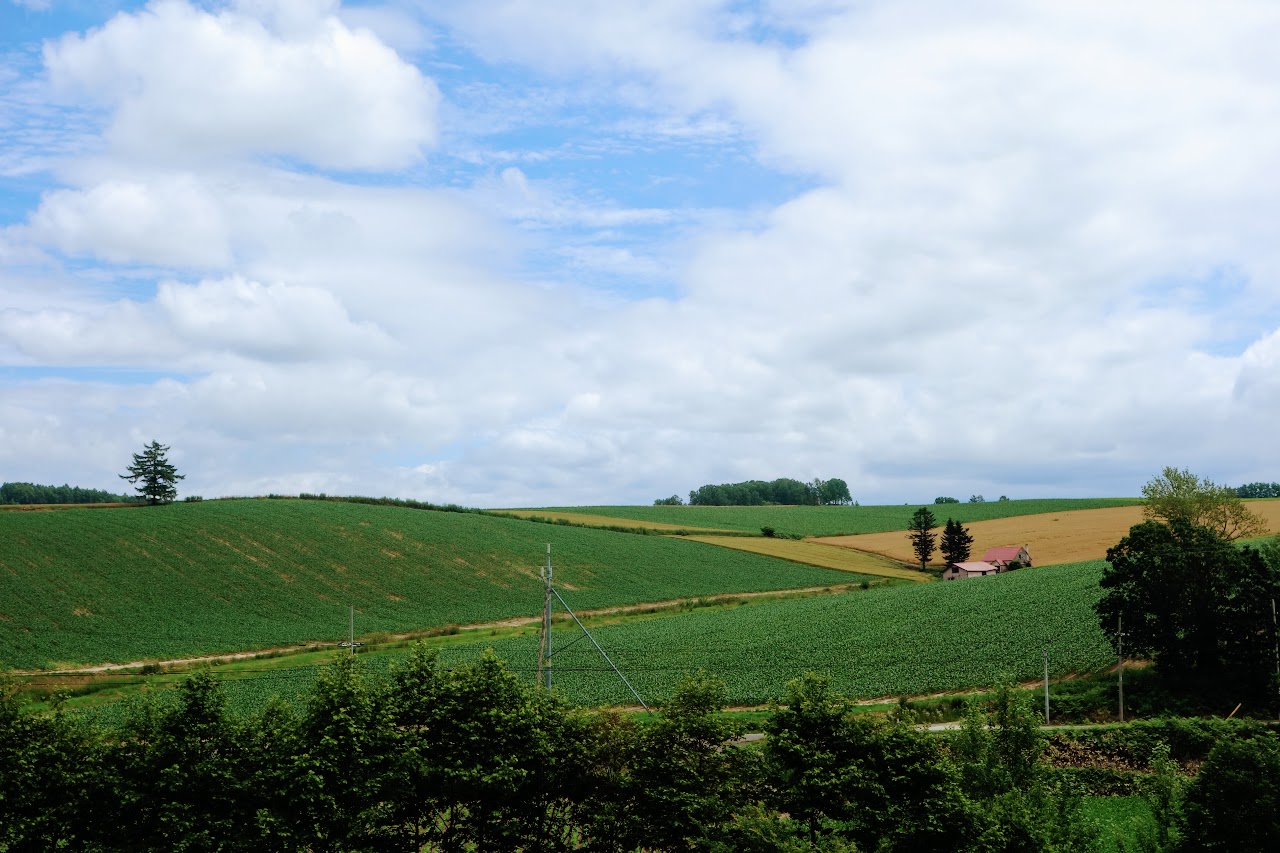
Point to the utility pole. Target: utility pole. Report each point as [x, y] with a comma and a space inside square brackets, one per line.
[1046, 687]
[1120, 639]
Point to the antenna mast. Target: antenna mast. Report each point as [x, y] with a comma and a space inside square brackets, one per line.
[544, 645]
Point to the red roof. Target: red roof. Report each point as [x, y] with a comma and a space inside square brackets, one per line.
[1006, 553]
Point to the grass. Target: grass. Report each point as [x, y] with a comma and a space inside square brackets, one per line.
[127, 584]
[827, 520]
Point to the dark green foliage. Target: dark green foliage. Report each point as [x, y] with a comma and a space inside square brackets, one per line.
[674, 500]
[683, 783]
[881, 785]
[920, 532]
[1192, 601]
[176, 774]
[153, 476]
[833, 492]
[1022, 806]
[956, 542]
[946, 500]
[784, 491]
[976, 499]
[472, 758]
[30, 493]
[1258, 490]
[49, 779]
[1234, 802]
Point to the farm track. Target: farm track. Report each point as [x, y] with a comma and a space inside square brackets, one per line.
[515, 622]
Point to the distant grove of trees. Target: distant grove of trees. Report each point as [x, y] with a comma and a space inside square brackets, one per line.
[30, 493]
[758, 493]
[1258, 490]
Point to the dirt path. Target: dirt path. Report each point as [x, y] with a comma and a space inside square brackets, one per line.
[514, 622]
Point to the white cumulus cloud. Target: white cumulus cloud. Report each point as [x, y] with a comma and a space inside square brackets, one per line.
[186, 84]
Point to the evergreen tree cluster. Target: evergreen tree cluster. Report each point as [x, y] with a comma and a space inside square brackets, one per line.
[1258, 490]
[784, 491]
[31, 493]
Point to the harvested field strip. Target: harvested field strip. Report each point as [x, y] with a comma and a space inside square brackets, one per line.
[1053, 537]
[587, 519]
[816, 554]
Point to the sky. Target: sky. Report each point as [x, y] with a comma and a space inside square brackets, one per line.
[570, 252]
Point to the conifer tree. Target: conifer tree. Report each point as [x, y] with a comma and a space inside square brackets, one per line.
[920, 532]
[152, 475]
[956, 542]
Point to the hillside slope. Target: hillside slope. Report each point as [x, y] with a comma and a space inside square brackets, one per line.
[79, 586]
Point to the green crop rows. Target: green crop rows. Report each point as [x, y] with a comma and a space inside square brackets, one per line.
[117, 585]
[835, 520]
[902, 640]
[906, 640]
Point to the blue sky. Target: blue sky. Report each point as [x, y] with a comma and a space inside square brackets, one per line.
[509, 252]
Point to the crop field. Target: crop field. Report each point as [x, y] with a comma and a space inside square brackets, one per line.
[903, 640]
[827, 520]
[817, 554]
[79, 587]
[908, 639]
[588, 519]
[1053, 537]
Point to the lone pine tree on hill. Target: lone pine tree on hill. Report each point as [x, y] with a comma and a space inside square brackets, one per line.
[920, 532]
[152, 475]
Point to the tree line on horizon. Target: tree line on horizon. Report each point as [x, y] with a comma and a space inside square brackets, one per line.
[784, 491]
[33, 493]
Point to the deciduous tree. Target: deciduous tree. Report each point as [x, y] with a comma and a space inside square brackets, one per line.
[1184, 496]
[152, 475]
[1192, 601]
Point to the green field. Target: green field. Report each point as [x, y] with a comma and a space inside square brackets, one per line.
[117, 585]
[831, 520]
[901, 640]
[904, 640]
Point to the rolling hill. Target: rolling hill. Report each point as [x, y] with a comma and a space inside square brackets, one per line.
[125, 584]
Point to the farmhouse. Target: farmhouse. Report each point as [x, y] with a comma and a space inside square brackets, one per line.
[960, 571]
[1004, 555]
[995, 561]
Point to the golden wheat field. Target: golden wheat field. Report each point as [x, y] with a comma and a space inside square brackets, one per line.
[816, 554]
[1053, 537]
